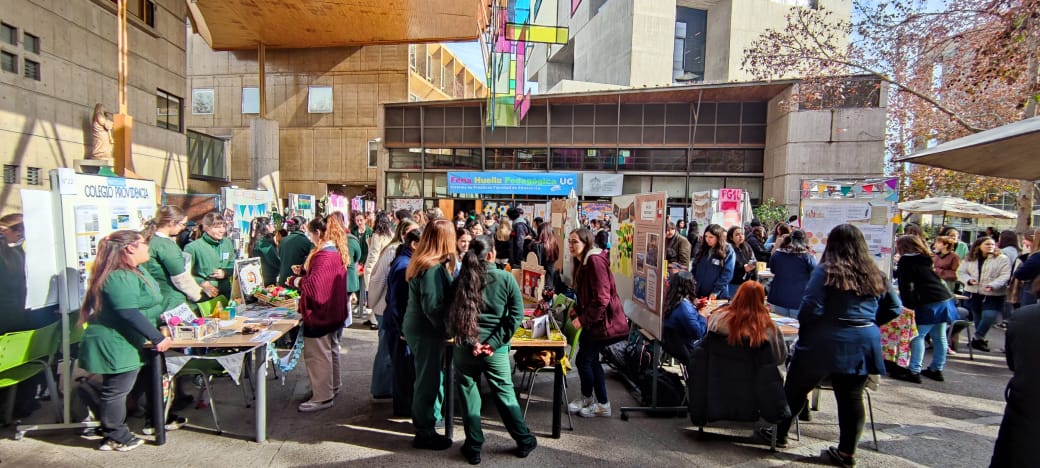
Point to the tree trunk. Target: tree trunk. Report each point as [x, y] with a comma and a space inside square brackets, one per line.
[1025, 205]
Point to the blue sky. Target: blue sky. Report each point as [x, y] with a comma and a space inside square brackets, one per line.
[470, 54]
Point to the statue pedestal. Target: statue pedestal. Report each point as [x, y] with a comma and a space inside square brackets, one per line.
[95, 166]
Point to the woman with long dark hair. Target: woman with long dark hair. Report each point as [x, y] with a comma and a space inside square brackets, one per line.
[429, 277]
[599, 314]
[486, 311]
[745, 266]
[791, 264]
[393, 322]
[683, 325]
[838, 337]
[960, 248]
[213, 255]
[714, 264]
[745, 321]
[261, 244]
[294, 247]
[323, 306]
[382, 364]
[117, 303]
[985, 273]
[921, 290]
[548, 252]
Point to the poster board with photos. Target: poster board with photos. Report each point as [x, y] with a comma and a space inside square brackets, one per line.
[638, 257]
[248, 276]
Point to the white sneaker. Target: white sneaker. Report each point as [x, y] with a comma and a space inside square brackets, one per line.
[579, 403]
[312, 406]
[596, 409]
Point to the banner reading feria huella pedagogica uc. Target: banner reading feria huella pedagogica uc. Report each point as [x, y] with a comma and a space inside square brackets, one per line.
[558, 184]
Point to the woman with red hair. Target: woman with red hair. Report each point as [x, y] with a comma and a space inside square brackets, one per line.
[745, 321]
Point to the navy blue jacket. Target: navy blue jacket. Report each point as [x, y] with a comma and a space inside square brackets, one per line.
[396, 293]
[837, 330]
[1028, 270]
[790, 275]
[686, 323]
[713, 274]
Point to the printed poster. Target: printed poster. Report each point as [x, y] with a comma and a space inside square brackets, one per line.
[638, 258]
[821, 215]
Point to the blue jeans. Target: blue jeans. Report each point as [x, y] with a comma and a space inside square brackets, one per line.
[590, 371]
[793, 313]
[938, 334]
[984, 310]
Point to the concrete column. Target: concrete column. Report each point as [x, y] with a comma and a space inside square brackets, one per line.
[264, 158]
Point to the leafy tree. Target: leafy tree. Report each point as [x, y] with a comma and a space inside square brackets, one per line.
[971, 66]
[770, 213]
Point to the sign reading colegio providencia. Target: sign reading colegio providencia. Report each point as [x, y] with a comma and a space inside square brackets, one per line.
[556, 184]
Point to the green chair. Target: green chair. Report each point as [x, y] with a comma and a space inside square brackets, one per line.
[572, 335]
[23, 355]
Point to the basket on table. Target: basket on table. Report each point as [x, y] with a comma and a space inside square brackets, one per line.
[288, 303]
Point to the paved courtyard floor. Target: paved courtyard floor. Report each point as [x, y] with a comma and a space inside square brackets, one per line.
[950, 424]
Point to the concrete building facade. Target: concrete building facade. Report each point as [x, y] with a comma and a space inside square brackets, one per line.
[764, 137]
[60, 59]
[656, 43]
[324, 111]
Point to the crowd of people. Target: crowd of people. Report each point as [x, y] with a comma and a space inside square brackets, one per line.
[430, 279]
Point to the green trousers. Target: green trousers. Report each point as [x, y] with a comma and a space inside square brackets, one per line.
[429, 383]
[468, 370]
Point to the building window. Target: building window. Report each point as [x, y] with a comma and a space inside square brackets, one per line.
[207, 157]
[691, 28]
[9, 62]
[373, 153]
[8, 34]
[32, 43]
[33, 176]
[31, 70]
[141, 9]
[319, 100]
[10, 173]
[168, 110]
[202, 101]
[250, 100]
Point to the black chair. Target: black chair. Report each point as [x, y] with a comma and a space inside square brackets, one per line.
[735, 383]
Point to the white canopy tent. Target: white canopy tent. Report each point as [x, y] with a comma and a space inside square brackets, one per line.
[953, 206]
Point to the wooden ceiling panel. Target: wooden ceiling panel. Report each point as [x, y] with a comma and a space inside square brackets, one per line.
[298, 24]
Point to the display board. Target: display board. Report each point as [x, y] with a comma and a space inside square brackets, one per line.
[89, 208]
[41, 258]
[302, 205]
[240, 207]
[638, 257]
[870, 205]
[595, 210]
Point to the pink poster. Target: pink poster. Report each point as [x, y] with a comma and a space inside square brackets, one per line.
[730, 206]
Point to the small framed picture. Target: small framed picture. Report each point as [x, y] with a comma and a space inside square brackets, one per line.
[202, 101]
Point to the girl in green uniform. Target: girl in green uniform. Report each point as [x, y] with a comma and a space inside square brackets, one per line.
[485, 313]
[294, 248]
[261, 244]
[213, 255]
[117, 301]
[167, 263]
[429, 277]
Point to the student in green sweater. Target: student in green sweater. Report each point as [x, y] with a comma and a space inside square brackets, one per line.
[359, 228]
[167, 263]
[429, 277]
[117, 302]
[261, 244]
[293, 249]
[486, 311]
[213, 255]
